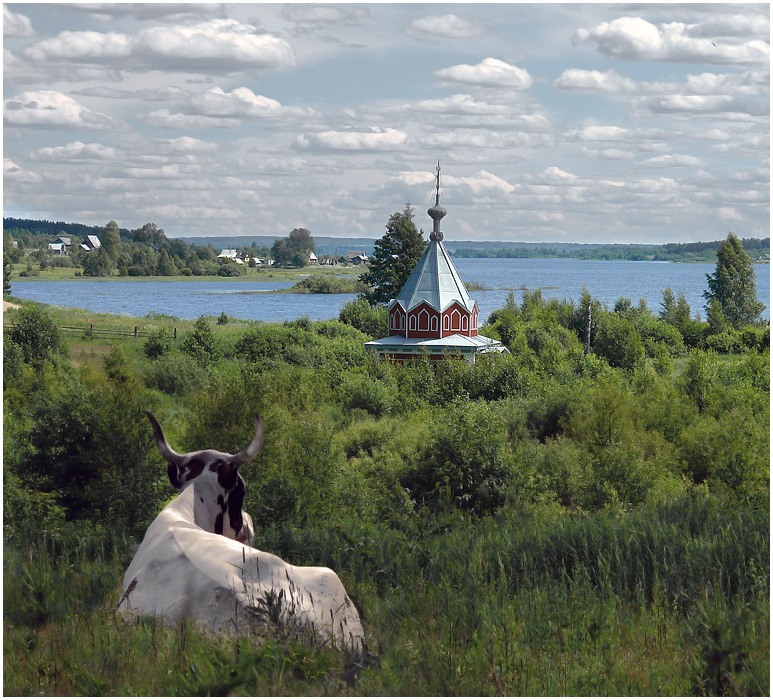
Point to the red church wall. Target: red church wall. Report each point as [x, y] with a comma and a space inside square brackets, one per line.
[423, 322]
[456, 319]
[397, 321]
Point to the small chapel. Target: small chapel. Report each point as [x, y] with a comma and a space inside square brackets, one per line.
[433, 316]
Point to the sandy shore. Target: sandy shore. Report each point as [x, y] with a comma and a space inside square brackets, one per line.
[9, 305]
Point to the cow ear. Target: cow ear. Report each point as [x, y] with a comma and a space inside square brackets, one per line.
[173, 471]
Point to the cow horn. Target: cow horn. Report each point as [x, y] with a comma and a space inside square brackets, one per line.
[252, 449]
[163, 446]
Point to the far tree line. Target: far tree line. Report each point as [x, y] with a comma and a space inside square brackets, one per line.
[141, 252]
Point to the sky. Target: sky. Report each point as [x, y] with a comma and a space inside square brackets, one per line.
[588, 123]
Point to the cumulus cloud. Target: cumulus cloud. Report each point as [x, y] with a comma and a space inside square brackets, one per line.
[594, 81]
[16, 24]
[373, 140]
[14, 173]
[77, 151]
[166, 119]
[489, 73]
[460, 104]
[303, 13]
[161, 94]
[636, 39]
[244, 103]
[672, 161]
[447, 26]
[53, 109]
[219, 44]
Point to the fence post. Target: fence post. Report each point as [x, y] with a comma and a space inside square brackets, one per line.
[175, 333]
[135, 331]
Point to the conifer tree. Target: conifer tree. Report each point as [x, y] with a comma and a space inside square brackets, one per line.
[394, 257]
[733, 285]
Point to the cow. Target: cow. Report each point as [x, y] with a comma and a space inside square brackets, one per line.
[196, 561]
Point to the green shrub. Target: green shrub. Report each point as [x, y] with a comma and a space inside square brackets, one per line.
[725, 343]
[370, 320]
[375, 397]
[175, 373]
[37, 335]
[618, 342]
[466, 462]
[200, 343]
[159, 343]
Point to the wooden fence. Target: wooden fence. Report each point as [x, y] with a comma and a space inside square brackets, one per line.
[91, 332]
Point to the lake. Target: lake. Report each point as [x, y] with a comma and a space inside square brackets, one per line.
[558, 278]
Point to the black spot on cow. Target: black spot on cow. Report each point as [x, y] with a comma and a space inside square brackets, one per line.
[235, 503]
[219, 524]
[192, 468]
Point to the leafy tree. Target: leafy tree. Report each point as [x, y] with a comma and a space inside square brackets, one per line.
[361, 315]
[159, 343]
[98, 264]
[294, 250]
[6, 273]
[734, 285]
[301, 239]
[111, 239]
[150, 235]
[394, 257]
[200, 342]
[36, 335]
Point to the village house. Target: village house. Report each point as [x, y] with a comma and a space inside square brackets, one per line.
[91, 243]
[354, 257]
[61, 246]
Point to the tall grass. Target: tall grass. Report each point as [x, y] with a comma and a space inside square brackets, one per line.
[673, 600]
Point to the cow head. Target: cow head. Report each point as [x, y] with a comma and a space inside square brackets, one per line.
[219, 488]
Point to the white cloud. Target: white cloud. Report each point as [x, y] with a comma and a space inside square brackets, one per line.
[490, 72]
[77, 151]
[184, 144]
[636, 39]
[736, 25]
[53, 109]
[81, 46]
[219, 44]
[594, 81]
[14, 173]
[303, 13]
[460, 104]
[166, 119]
[672, 161]
[447, 26]
[374, 140]
[244, 103]
[15, 24]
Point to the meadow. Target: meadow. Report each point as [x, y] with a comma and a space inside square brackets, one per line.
[548, 522]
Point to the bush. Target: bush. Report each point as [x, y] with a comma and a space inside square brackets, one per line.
[176, 374]
[466, 462]
[618, 342]
[200, 343]
[36, 335]
[725, 343]
[370, 395]
[370, 320]
[159, 343]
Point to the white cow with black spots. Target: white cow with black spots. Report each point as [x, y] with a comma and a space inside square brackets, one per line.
[196, 561]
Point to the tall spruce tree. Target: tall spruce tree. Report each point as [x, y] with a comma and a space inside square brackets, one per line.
[395, 255]
[734, 285]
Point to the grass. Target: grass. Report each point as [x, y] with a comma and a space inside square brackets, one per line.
[506, 606]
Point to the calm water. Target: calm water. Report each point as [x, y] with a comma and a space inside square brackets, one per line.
[562, 279]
